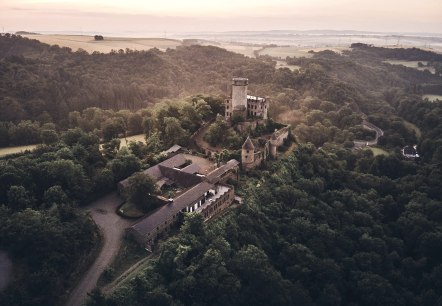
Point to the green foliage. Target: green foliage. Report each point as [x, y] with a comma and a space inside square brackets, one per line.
[219, 133]
[58, 240]
[110, 148]
[140, 191]
[314, 230]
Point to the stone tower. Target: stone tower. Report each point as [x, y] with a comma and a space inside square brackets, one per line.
[239, 93]
[248, 154]
[273, 145]
[237, 103]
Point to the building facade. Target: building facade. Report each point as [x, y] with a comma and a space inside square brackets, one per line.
[206, 194]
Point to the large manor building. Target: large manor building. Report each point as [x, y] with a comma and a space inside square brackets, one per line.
[206, 193]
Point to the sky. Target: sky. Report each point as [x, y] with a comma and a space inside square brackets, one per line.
[178, 16]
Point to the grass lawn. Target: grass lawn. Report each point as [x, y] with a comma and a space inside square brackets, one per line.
[413, 127]
[129, 253]
[129, 210]
[378, 151]
[432, 98]
[283, 64]
[18, 149]
[136, 138]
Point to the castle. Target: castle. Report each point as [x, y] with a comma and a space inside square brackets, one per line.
[248, 107]
[254, 111]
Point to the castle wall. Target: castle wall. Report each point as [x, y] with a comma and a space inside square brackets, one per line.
[282, 135]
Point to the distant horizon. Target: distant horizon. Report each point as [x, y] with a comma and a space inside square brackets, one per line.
[177, 16]
[127, 33]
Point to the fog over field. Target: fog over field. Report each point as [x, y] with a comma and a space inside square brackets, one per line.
[173, 16]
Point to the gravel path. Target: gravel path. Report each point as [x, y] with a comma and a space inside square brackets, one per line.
[113, 228]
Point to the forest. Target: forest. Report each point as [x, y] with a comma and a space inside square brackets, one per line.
[323, 225]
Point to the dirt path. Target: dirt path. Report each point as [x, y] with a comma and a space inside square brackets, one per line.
[134, 268]
[112, 227]
[198, 141]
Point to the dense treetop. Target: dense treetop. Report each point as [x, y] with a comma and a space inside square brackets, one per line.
[323, 225]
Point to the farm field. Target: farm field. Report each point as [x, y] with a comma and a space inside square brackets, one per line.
[12, 150]
[88, 43]
[411, 64]
[432, 98]
[244, 50]
[283, 52]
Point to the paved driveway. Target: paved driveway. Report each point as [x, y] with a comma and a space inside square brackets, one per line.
[113, 228]
[5, 270]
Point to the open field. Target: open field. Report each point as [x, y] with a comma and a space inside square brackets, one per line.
[90, 45]
[432, 98]
[283, 52]
[414, 128]
[18, 149]
[245, 50]
[12, 150]
[378, 151]
[283, 64]
[411, 64]
[136, 138]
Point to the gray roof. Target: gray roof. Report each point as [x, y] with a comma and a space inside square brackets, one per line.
[218, 172]
[192, 168]
[248, 144]
[180, 177]
[155, 172]
[173, 149]
[165, 212]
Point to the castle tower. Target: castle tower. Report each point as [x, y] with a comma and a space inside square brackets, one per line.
[248, 154]
[239, 93]
[273, 145]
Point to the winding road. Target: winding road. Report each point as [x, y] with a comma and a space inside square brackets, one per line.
[112, 227]
[369, 126]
